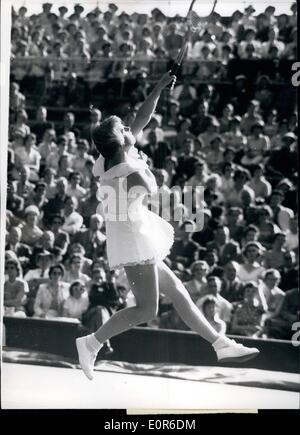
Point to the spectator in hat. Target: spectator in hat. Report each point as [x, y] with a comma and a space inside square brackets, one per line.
[52, 294]
[15, 289]
[251, 269]
[31, 233]
[63, 10]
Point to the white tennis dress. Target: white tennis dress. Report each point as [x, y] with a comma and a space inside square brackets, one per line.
[135, 235]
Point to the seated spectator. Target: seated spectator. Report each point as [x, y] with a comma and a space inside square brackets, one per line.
[41, 124]
[45, 243]
[20, 126]
[209, 308]
[250, 38]
[184, 249]
[52, 294]
[272, 293]
[88, 205]
[92, 239]
[197, 285]
[251, 269]
[247, 318]
[15, 289]
[289, 272]
[251, 117]
[280, 326]
[292, 237]
[56, 205]
[68, 125]
[74, 188]
[250, 234]
[187, 159]
[273, 258]
[49, 179]
[210, 133]
[200, 177]
[52, 160]
[234, 137]
[31, 232]
[235, 223]
[64, 166]
[38, 196]
[95, 118]
[77, 303]
[30, 156]
[61, 238]
[290, 194]
[225, 248]
[282, 162]
[16, 98]
[271, 125]
[223, 307]
[47, 145]
[282, 215]
[14, 244]
[14, 202]
[257, 146]
[74, 270]
[235, 197]
[214, 156]
[73, 220]
[24, 187]
[258, 183]
[232, 287]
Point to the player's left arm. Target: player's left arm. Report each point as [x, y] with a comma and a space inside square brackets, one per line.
[148, 107]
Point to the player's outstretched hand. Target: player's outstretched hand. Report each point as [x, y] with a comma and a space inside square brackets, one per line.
[166, 79]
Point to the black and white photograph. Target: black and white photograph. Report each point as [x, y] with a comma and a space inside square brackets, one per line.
[149, 207]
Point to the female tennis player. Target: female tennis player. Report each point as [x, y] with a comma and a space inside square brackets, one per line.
[139, 240]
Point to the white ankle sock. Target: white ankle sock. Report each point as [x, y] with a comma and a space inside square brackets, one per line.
[220, 342]
[93, 343]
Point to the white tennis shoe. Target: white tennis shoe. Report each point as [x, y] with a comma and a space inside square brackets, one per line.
[87, 357]
[230, 351]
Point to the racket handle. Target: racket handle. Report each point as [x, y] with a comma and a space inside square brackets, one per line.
[174, 72]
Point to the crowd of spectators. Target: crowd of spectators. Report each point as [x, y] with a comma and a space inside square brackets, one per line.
[241, 267]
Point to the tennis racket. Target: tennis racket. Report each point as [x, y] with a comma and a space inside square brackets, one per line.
[193, 22]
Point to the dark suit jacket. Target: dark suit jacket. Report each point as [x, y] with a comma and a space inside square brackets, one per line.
[95, 248]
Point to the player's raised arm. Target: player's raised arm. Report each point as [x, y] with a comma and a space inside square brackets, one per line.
[147, 109]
